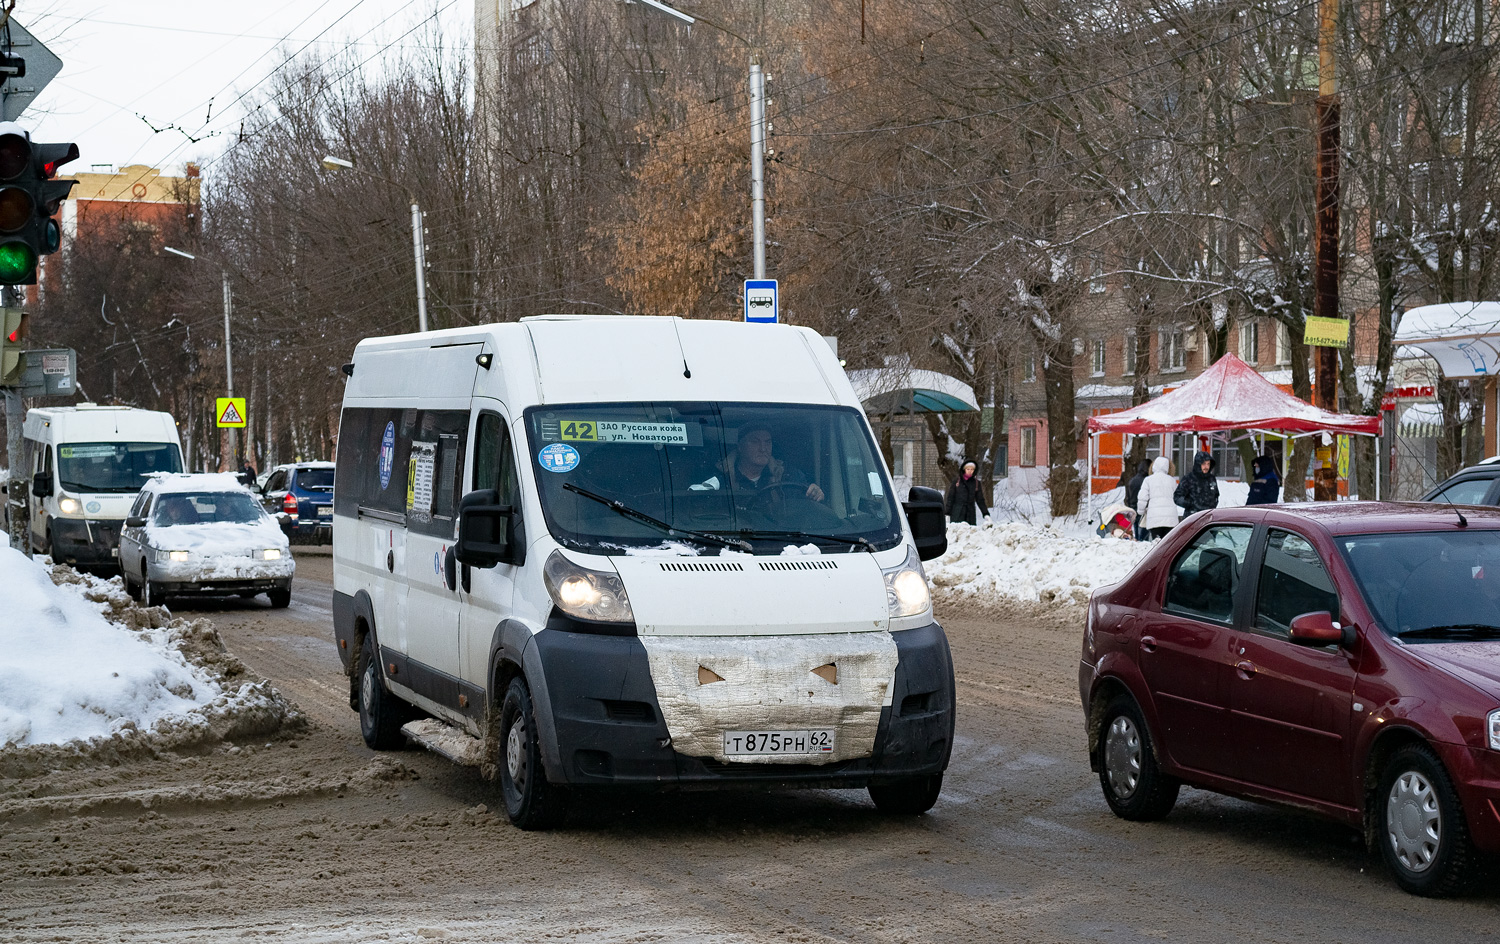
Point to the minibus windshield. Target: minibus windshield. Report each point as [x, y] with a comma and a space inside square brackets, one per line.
[113, 466]
[764, 474]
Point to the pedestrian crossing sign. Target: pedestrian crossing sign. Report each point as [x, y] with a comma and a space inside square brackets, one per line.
[230, 411]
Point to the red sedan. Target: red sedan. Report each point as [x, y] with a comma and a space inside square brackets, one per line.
[1343, 658]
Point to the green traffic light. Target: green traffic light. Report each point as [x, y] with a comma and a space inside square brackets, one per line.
[17, 263]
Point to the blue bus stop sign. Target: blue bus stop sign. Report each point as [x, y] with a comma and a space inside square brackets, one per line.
[761, 303]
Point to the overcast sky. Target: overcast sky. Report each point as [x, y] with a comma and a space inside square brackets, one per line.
[133, 65]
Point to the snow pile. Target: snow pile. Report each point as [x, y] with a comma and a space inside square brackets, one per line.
[85, 673]
[1013, 561]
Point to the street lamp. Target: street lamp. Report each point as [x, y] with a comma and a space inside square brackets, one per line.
[757, 131]
[228, 353]
[419, 250]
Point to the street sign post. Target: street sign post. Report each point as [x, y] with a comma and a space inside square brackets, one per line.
[229, 411]
[762, 306]
[40, 67]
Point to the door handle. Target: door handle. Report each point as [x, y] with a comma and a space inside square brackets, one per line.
[1148, 643]
[1245, 668]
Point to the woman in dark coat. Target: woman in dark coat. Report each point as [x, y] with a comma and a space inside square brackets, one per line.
[1265, 487]
[965, 494]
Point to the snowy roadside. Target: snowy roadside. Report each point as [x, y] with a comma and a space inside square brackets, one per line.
[1027, 563]
[87, 676]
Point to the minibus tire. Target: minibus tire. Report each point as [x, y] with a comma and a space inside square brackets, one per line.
[911, 796]
[530, 801]
[380, 714]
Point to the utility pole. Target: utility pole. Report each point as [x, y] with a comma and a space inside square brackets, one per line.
[18, 489]
[234, 440]
[419, 249]
[1326, 235]
[758, 164]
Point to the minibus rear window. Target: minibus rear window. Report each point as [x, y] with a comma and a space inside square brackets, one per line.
[765, 473]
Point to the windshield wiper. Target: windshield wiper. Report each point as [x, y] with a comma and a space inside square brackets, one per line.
[1452, 629]
[96, 489]
[854, 542]
[625, 510]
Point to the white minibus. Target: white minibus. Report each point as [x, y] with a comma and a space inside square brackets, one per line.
[631, 551]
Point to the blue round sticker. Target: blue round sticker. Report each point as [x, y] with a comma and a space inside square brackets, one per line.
[92, 508]
[387, 454]
[558, 457]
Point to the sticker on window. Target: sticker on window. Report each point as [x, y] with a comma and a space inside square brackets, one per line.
[611, 431]
[419, 480]
[387, 454]
[86, 452]
[558, 457]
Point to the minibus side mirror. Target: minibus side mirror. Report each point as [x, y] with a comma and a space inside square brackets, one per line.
[487, 531]
[41, 485]
[926, 517]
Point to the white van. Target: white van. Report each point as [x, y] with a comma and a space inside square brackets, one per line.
[87, 464]
[635, 551]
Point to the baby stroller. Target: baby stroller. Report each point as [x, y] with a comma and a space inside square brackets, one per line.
[1116, 521]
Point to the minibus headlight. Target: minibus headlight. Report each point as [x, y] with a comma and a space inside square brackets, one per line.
[584, 593]
[68, 506]
[1492, 728]
[906, 591]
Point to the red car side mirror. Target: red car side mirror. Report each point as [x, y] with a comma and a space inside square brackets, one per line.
[1316, 629]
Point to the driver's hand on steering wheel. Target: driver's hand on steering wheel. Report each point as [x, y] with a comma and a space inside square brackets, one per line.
[814, 492]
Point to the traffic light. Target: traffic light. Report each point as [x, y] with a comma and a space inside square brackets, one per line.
[29, 198]
[12, 361]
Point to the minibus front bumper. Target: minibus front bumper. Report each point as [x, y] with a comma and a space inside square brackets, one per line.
[609, 728]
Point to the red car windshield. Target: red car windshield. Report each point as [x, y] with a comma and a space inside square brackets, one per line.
[1431, 586]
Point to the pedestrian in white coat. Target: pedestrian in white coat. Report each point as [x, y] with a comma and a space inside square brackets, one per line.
[1158, 509]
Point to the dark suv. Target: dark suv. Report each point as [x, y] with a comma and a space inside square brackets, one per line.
[300, 496]
[1475, 485]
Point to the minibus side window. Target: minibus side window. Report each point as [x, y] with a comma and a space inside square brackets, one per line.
[494, 462]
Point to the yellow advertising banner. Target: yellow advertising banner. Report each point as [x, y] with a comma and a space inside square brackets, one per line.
[1343, 456]
[1326, 332]
[229, 411]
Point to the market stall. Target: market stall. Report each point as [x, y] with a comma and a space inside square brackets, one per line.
[1230, 395]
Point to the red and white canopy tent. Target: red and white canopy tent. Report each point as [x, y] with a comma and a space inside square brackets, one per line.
[1230, 395]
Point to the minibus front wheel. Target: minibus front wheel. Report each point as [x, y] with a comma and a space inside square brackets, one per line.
[530, 801]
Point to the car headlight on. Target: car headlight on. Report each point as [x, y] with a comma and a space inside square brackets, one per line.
[584, 593]
[176, 557]
[1492, 728]
[271, 553]
[906, 592]
[68, 506]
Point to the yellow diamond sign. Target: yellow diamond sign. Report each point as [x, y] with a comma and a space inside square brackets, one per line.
[230, 411]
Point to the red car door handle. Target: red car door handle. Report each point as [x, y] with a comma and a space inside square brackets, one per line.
[1148, 643]
[1246, 669]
